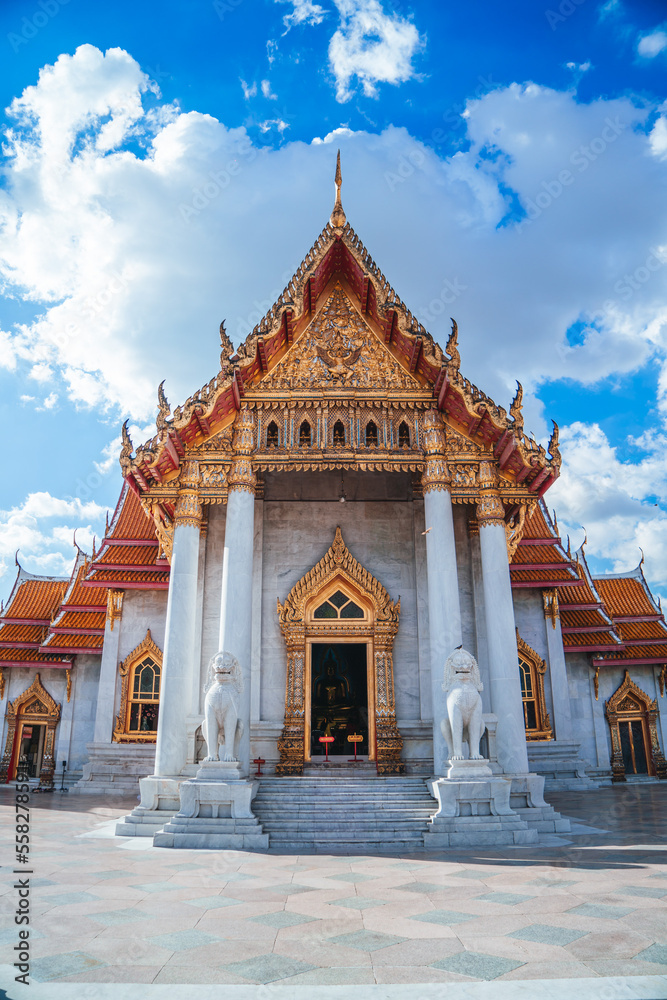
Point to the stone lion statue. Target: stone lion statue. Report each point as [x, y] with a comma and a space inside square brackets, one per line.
[464, 706]
[221, 725]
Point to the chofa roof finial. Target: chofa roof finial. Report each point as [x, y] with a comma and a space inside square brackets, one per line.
[338, 218]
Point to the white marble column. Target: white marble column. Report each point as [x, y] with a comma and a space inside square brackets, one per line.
[236, 600]
[444, 611]
[560, 695]
[180, 631]
[504, 676]
[106, 689]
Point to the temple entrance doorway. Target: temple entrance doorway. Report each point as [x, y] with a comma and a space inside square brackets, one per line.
[634, 746]
[31, 749]
[339, 697]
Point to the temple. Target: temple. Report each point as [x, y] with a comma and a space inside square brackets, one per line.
[339, 508]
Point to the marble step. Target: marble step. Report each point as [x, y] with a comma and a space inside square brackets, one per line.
[340, 813]
[398, 847]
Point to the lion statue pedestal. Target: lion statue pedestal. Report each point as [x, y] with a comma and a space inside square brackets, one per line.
[215, 808]
[474, 805]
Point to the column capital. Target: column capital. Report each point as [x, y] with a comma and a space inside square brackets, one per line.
[188, 504]
[436, 474]
[242, 476]
[433, 433]
[490, 508]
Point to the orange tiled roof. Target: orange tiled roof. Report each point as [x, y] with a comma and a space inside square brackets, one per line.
[122, 564]
[33, 599]
[627, 596]
[91, 621]
[34, 596]
[540, 559]
[27, 656]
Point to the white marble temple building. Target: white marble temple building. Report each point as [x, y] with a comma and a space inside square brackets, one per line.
[340, 508]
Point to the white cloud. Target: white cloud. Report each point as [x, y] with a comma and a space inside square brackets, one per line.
[42, 528]
[276, 123]
[303, 12]
[372, 45]
[132, 257]
[342, 132]
[50, 401]
[249, 90]
[111, 451]
[267, 92]
[651, 45]
[614, 500]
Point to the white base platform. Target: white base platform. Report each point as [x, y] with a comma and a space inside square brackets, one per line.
[215, 812]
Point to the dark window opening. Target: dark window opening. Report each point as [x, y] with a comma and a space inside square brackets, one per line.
[403, 435]
[304, 435]
[272, 436]
[339, 434]
[371, 435]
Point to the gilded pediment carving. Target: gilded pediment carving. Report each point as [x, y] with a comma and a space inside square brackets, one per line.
[456, 443]
[338, 351]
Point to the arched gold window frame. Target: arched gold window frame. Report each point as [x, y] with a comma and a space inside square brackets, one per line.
[146, 648]
[537, 668]
[628, 703]
[339, 570]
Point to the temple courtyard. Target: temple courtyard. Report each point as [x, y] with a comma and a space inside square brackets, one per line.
[590, 906]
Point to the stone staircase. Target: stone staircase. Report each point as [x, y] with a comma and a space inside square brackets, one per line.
[344, 812]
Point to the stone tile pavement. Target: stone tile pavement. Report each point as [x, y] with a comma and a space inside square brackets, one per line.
[584, 916]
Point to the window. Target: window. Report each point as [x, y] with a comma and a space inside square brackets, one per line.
[339, 434]
[528, 696]
[140, 674]
[532, 669]
[371, 435]
[339, 605]
[403, 435]
[144, 697]
[304, 435]
[272, 436]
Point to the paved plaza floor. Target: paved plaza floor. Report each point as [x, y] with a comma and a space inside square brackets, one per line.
[583, 915]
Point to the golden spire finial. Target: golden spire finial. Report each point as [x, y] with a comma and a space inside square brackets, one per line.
[338, 219]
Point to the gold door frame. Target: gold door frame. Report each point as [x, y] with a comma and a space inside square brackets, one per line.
[338, 568]
[34, 707]
[339, 637]
[628, 704]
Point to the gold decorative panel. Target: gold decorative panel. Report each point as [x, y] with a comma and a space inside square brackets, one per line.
[628, 705]
[35, 707]
[377, 625]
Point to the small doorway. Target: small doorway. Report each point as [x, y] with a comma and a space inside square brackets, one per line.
[632, 716]
[339, 698]
[31, 749]
[634, 747]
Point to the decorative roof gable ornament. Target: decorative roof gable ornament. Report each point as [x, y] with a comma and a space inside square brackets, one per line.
[163, 407]
[338, 218]
[516, 412]
[125, 458]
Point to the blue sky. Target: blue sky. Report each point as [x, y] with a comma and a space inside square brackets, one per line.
[168, 165]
